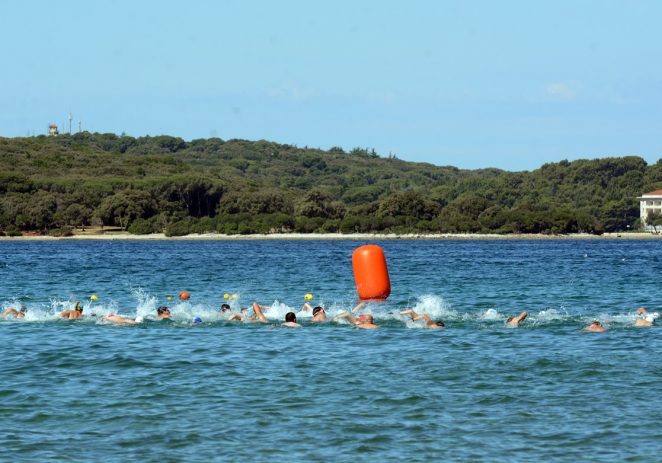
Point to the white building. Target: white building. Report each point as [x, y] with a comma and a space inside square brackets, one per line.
[52, 130]
[649, 202]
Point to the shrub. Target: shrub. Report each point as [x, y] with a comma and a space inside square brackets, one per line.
[12, 231]
[144, 227]
[180, 228]
[63, 231]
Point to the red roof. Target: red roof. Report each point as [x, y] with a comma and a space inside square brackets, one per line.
[654, 193]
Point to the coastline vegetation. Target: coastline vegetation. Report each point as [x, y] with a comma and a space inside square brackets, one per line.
[159, 184]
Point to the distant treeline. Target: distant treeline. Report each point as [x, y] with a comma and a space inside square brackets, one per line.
[165, 184]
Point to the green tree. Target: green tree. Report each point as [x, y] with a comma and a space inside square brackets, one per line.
[124, 207]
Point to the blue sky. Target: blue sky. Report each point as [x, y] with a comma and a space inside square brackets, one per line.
[509, 84]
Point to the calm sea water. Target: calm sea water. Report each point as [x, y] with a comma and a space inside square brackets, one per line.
[223, 391]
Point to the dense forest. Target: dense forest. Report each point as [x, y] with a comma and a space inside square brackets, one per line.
[165, 184]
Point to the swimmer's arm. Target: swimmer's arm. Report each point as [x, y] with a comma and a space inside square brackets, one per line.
[307, 307]
[236, 316]
[641, 311]
[258, 312]
[10, 311]
[358, 307]
[409, 312]
[426, 317]
[520, 317]
[346, 315]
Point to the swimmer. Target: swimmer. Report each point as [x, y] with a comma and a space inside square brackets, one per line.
[225, 308]
[290, 317]
[291, 320]
[319, 314]
[429, 323]
[118, 319]
[366, 322]
[595, 327]
[15, 313]
[73, 314]
[515, 321]
[161, 314]
[647, 319]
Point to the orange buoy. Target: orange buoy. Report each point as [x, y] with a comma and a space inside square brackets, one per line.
[370, 273]
[184, 296]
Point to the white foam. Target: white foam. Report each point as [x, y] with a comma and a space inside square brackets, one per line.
[490, 314]
[435, 306]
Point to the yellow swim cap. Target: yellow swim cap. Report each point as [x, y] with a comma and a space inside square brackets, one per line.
[234, 296]
[308, 297]
[169, 298]
[93, 297]
[226, 296]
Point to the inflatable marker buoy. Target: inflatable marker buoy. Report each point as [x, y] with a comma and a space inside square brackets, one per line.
[308, 297]
[184, 296]
[371, 273]
[93, 297]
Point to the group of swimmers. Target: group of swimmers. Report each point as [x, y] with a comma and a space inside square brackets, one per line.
[363, 321]
[645, 318]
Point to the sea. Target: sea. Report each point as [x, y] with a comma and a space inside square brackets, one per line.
[218, 390]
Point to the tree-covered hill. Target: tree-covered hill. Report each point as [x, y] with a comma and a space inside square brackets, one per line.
[154, 184]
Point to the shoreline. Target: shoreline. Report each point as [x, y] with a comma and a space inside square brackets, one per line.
[125, 236]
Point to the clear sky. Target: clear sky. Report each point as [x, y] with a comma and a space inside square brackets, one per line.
[508, 84]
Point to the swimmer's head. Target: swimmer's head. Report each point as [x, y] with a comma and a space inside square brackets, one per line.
[197, 320]
[163, 310]
[24, 309]
[290, 317]
[596, 323]
[78, 307]
[225, 307]
[317, 310]
[440, 323]
[509, 319]
[367, 318]
[243, 310]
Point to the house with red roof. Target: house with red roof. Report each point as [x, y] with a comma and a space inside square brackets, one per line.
[648, 203]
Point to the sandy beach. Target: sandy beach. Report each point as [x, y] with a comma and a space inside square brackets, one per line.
[335, 236]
